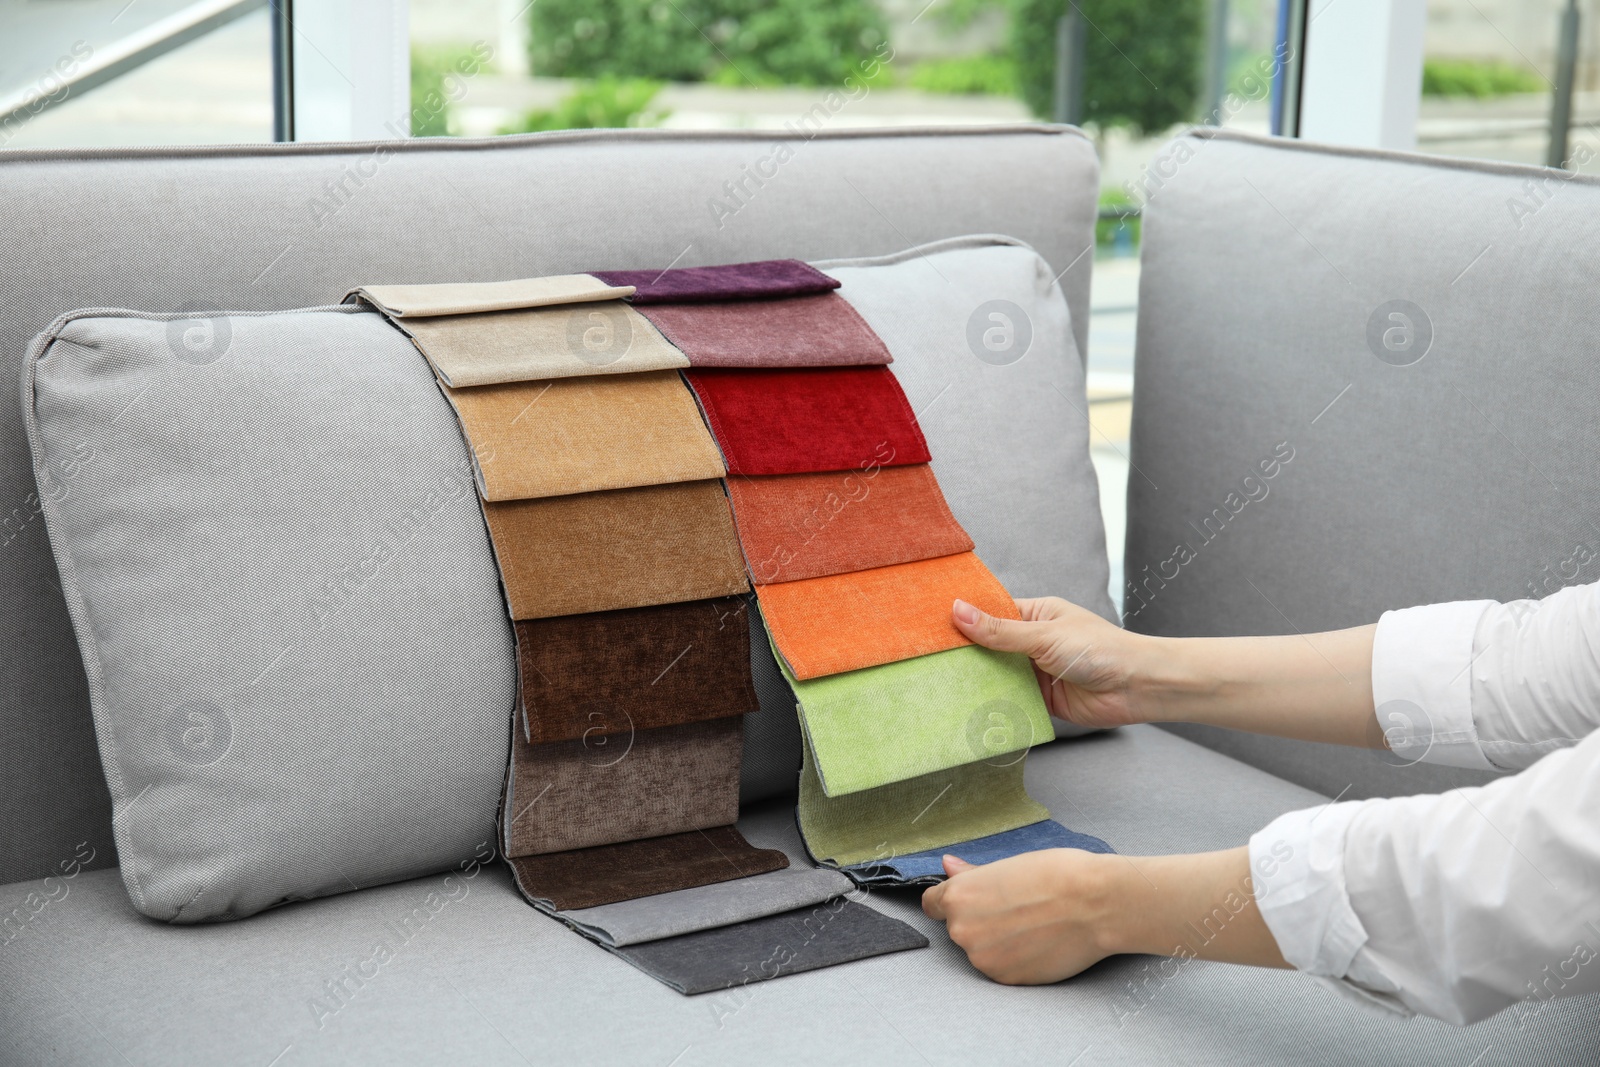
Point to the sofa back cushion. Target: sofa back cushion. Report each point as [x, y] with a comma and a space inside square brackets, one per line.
[270, 227]
[1366, 380]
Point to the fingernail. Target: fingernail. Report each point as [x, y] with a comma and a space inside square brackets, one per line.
[965, 612]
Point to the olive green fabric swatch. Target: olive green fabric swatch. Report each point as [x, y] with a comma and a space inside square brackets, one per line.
[932, 811]
[896, 721]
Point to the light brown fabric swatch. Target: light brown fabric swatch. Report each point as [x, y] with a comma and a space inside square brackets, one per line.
[621, 548]
[607, 874]
[532, 344]
[580, 435]
[599, 791]
[464, 298]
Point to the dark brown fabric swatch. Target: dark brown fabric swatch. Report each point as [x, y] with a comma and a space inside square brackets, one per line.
[601, 790]
[621, 548]
[589, 877]
[612, 672]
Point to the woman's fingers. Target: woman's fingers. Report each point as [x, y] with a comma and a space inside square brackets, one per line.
[1002, 635]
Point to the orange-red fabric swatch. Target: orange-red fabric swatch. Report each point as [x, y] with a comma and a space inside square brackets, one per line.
[797, 526]
[844, 622]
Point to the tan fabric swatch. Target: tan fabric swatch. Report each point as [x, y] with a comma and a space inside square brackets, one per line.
[465, 298]
[577, 794]
[580, 435]
[621, 548]
[532, 344]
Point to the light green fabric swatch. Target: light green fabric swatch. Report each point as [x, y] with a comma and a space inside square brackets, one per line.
[900, 720]
[932, 811]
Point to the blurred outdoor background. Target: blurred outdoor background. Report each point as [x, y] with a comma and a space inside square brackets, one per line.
[482, 68]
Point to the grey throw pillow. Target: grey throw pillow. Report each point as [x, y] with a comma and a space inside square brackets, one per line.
[300, 667]
[299, 663]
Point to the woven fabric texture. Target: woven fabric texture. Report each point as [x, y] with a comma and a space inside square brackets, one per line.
[532, 344]
[622, 787]
[613, 672]
[591, 877]
[958, 804]
[797, 526]
[817, 330]
[844, 622]
[927, 867]
[901, 720]
[463, 298]
[807, 939]
[727, 281]
[581, 435]
[707, 907]
[798, 421]
[623, 548]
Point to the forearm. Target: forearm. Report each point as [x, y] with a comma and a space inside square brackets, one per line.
[1193, 907]
[1315, 687]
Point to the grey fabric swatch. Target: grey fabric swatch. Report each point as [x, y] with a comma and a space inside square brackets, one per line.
[806, 939]
[632, 922]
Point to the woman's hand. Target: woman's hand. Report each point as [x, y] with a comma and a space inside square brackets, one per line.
[1088, 669]
[1027, 920]
[1044, 916]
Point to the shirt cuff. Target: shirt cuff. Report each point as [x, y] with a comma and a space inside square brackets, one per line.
[1297, 873]
[1422, 683]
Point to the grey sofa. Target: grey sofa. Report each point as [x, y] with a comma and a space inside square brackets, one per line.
[1459, 475]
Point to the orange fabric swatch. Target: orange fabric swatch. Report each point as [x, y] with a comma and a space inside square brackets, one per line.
[848, 621]
[622, 548]
[581, 435]
[797, 526]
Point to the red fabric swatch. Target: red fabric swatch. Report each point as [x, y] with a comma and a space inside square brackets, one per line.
[798, 421]
[796, 526]
[819, 330]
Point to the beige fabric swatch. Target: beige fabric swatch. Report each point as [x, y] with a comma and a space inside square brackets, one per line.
[532, 344]
[620, 548]
[598, 791]
[580, 435]
[463, 298]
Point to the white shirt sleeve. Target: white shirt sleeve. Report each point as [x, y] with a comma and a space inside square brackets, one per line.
[1460, 905]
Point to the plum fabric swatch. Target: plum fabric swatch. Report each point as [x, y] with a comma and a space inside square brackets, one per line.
[807, 939]
[613, 672]
[844, 622]
[590, 877]
[798, 526]
[804, 420]
[727, 281]
[622, 548]
[932, 811]
[817, 330]
[905, 719]
[600, 791]
[686, 911]
[922, 868]
[581, 435]
[533, 344]
[464, 298]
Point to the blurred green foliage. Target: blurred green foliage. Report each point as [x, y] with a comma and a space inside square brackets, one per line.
[1107, 231]
[603, 103]
[1477, 78]
[994, 75]
[734, 42]
[439, 78]
[1144, 60]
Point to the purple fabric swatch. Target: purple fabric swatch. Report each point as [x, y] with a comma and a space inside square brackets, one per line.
[729, 281]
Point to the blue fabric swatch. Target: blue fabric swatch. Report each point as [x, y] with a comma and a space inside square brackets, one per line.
[929, 865]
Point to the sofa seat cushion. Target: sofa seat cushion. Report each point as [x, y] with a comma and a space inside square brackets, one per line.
[457, 969]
